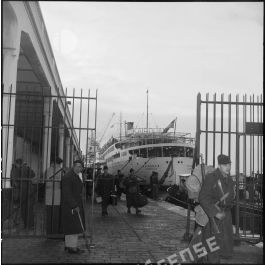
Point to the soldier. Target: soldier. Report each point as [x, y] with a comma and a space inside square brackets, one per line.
[215, 185]
[72, 207]
[105, 185]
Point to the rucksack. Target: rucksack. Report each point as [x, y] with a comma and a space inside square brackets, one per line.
[194, 181]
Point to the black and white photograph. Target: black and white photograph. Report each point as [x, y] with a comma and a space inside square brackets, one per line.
[132, 132]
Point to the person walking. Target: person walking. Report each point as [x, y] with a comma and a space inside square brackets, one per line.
[105, 185]
[72, 207]
[154, 185]
[215, 185]
[131, 184]
[119, 183]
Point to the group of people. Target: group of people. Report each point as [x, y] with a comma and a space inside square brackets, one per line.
[107, 185]
[23, 181]
[214, 187]
[73, 217]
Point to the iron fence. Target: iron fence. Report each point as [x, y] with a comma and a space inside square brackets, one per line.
[235, 128]
[39, 128]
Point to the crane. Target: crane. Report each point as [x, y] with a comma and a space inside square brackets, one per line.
[106, 128]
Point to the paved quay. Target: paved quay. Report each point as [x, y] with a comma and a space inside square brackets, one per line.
[121, 238]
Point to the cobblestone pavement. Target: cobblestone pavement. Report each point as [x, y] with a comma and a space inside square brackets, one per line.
[119, 238]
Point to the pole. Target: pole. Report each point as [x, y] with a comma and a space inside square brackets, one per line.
[92, 245]
[147, 111]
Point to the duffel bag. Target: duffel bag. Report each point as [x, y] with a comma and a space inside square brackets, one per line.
[140, 200]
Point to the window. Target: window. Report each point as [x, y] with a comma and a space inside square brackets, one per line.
[175, 151]
[154, 152]
[143, 152]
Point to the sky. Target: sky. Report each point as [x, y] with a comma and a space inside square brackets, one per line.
[175, 50]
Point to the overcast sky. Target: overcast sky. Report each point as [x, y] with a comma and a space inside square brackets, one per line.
[174, 49]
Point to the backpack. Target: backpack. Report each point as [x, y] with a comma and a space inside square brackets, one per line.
[194, 181]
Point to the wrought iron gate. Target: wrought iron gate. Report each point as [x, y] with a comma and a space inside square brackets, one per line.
[235, 128]
[39, 129]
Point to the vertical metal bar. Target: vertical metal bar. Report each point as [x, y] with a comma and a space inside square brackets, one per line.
[250, 137]
[244, 158]
[258, 136]
[7, 139]
[253, 176]
[94, 169]
[21, 180]
[206, 129]
[214, 127]
[237, 169]
[198, 132]
[253, 139]
[222, 121]
[50, 103]
[64, 126]
[30, 185]
[56, 143]
[229, 125]
[80, 118]
[261, 138]
[88, 101]
[72, 129]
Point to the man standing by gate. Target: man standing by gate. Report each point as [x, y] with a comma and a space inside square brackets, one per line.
[215, 185]
[73, 215]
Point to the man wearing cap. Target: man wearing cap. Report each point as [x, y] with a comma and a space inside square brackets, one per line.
[215, 185]
[105, 185]
[72, 207]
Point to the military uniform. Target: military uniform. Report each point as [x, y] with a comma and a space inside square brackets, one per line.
[211, 193]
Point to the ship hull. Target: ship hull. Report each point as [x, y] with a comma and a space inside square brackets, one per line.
[145, 166]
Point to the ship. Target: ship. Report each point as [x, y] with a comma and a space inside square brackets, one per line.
[148, 150]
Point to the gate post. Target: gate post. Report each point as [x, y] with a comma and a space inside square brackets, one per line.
[47, 132]
[237, 184]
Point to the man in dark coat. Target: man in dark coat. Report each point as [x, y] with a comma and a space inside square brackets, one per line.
[131, 184]
[215, 185]
[72, 206]
[105, 185]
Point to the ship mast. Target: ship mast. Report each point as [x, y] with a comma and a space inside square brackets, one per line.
[147, 111]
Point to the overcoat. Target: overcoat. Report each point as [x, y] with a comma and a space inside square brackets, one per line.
[131, 190]
[72, 197]
[105, 185]
[211, 193]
